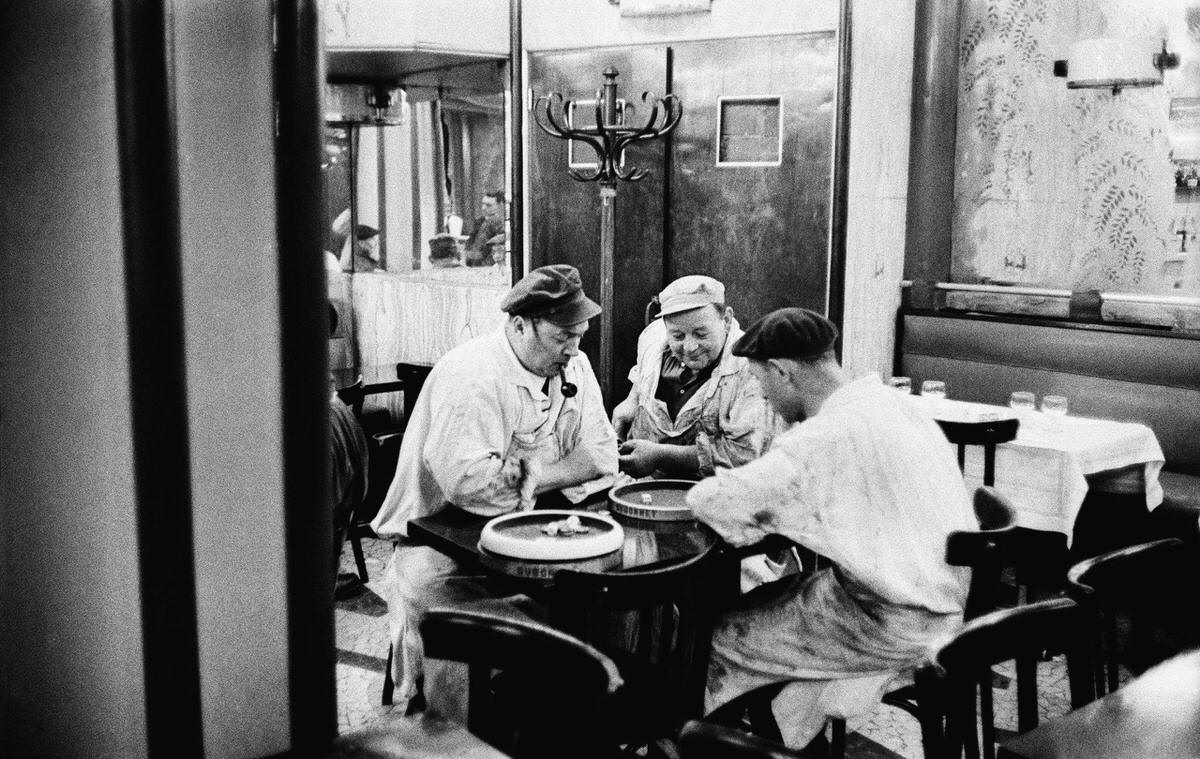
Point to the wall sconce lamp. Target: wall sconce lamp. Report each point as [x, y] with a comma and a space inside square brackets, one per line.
[1111, 62]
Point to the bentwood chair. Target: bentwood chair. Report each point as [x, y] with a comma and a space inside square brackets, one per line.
[1042, 561]
[961, 670]
[533, 691]
[656, 623]
[987, 434]
[1143, 605]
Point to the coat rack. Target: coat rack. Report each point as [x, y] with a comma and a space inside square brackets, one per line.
[609, 138]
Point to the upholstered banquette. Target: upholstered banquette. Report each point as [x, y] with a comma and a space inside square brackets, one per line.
[1114, 372]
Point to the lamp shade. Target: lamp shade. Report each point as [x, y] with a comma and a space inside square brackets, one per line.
[1113, 62]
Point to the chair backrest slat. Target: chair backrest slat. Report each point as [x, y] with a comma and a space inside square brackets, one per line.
[549, 687]
[963, 666]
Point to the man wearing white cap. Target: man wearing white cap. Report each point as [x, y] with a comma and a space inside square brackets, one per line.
[694, 407]
[505, 419]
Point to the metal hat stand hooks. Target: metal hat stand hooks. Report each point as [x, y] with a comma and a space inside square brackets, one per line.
[609, 138]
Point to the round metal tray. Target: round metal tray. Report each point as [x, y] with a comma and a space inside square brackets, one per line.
[520, 536]
[665, 500]
[532, 569]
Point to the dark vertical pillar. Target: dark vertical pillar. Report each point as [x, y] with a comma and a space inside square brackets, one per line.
[931, 146]
[158, 393]
[841, 175]
[668, 164]
[303, 359]
[516, 203]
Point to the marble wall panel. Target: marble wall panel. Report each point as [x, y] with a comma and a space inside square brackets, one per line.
[416, 321]
[880, 107]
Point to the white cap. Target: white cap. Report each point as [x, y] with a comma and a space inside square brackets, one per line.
[692, 291]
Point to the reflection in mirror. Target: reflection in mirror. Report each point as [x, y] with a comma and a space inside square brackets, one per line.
[420, 192]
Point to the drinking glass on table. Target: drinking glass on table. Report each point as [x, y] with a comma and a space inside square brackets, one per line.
[1022, 402]
[1054, 407]
[935, 389]
[902, 384]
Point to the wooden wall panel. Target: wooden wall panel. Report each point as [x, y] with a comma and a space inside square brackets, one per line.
[763, 230]
[565, 214]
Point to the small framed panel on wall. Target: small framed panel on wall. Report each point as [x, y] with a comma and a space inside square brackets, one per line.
[750, 130]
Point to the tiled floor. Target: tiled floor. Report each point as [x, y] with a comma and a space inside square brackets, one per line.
[361, 623]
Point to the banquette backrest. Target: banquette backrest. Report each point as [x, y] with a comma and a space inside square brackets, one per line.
[1127, 374]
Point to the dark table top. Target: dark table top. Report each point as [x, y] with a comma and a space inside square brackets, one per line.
[1155, 715]
[455, 533]
[376, 379]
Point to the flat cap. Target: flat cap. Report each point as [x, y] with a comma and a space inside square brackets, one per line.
[365, 232]
[787, 333]
[692, 291]
[553, 293]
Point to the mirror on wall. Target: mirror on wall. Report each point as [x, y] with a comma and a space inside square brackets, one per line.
[1076, 189]
[417, 187]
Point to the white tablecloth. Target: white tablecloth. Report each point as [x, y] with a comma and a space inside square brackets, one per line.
[1044, 471]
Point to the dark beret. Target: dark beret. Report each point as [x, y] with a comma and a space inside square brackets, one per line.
[787, 333]
[553, 293]
[365, 232]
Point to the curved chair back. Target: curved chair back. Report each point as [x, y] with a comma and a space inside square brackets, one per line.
[987, 434]
[963, 665]
[352, 395]
[702, 740]
[984, 550]
[1141, 583]
[549, 689]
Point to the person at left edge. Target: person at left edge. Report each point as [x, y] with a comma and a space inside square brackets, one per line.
[490, 431]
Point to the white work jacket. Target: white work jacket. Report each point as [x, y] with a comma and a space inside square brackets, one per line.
[727, 419]
[479, 406]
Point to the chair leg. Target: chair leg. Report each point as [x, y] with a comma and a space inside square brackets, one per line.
[837, 738]
[388, 685]
[762, 719]
[359, 561]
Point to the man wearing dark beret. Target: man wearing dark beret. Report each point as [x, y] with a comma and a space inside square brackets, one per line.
[502, 420]
[865, 479]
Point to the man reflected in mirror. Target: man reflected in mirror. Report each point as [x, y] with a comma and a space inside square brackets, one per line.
[480, 245]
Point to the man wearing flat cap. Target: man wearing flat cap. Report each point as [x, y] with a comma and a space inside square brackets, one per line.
[866, 480]
[494, 430]
[693, 407]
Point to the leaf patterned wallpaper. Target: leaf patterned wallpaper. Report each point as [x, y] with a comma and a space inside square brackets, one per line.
[1055, 187]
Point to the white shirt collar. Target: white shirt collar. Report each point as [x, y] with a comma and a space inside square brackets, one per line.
[516, 370]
